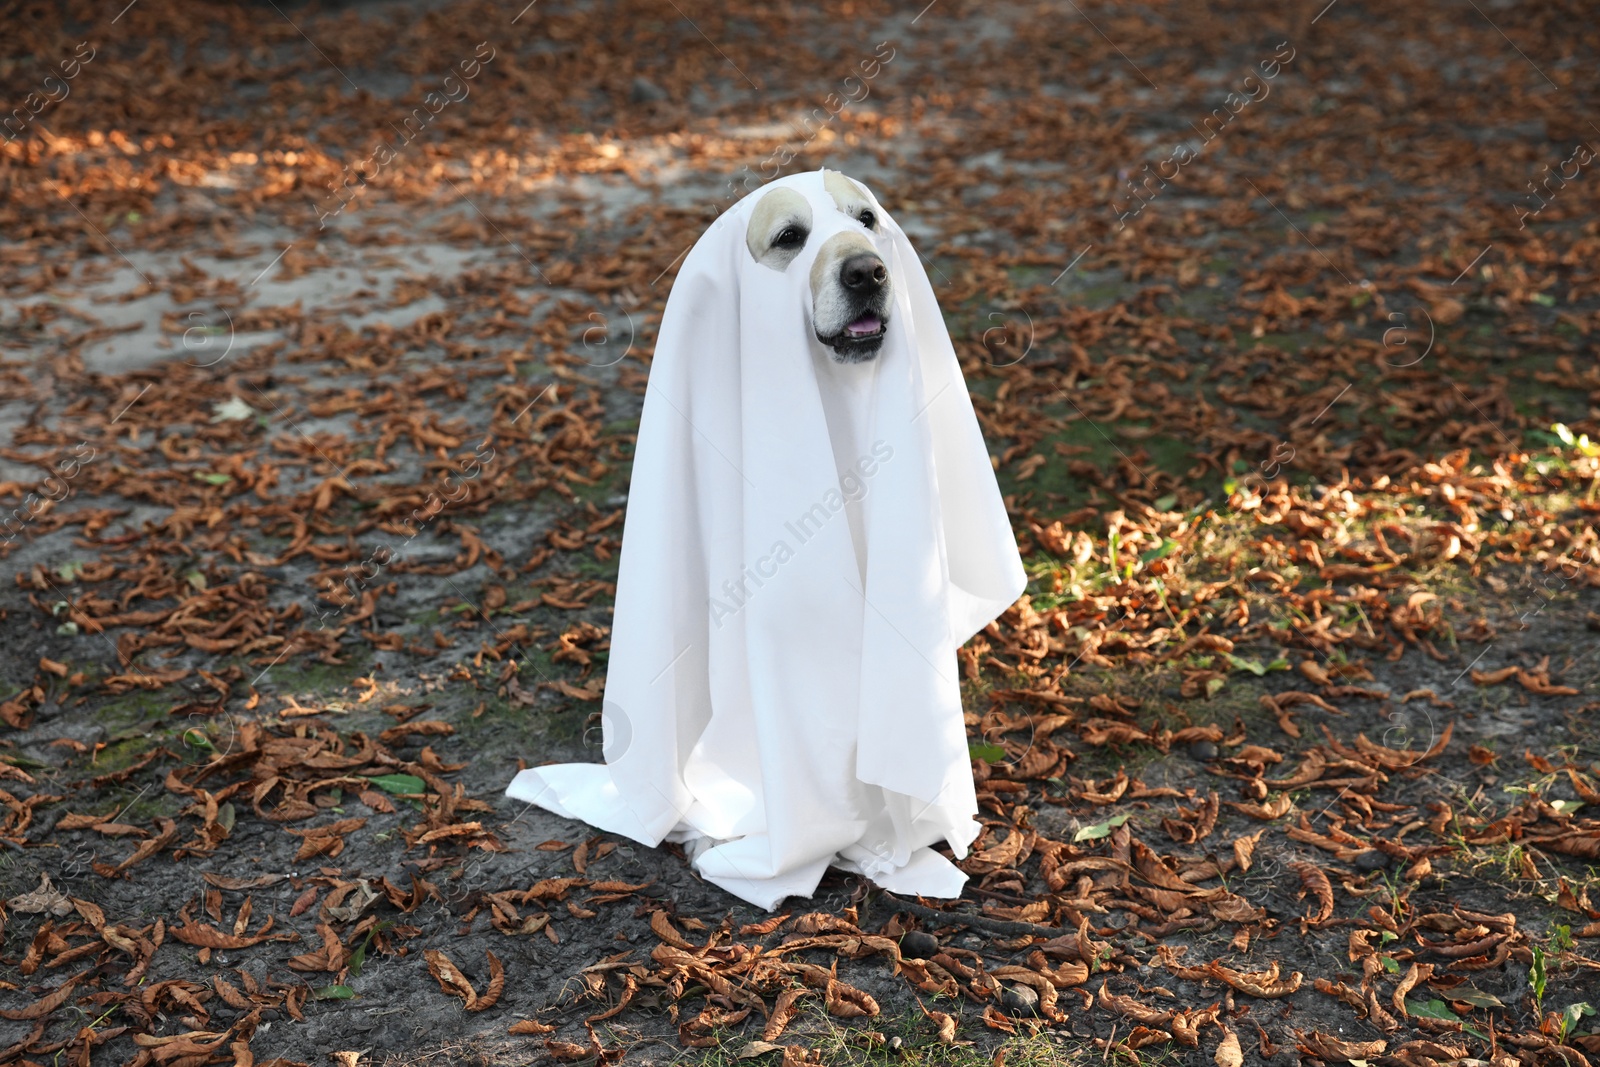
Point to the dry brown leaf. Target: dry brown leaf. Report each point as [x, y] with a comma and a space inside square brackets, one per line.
[1316, 883]
[848, 1002]
[46, 898]
[1326, 1047]
[567, 1052]
[1244, 849]
[47, 1003]
[783, 1012]
[1275, 808]
[764, 927]
[529, 1027]
[663, 928]
[943, 1024]
[450, 978]
[1265, 983]
[1229, 1054]
[752, 1049]
[994, 1019]
[497, 985]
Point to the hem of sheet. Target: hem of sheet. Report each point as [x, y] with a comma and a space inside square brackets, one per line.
[587, 793]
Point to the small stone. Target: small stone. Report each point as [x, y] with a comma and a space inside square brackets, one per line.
[1372, 860]
[918, 945]
[1019, 999]
[644, 91]
[1204, 750]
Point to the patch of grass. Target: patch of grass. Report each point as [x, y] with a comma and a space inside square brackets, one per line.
[322, 678]
[607, 486]
[117, 755]
[841, 1045]
[149, 808]
[584, 565]
[1291, 343]
[131, 710]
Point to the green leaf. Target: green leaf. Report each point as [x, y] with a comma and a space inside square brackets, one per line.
[1537, 975]
[1099, 829]
[1566, 807]
[1543, 300]
[1166, 503]
[212, 479]
[399, 783]
[1213, 685]
[1163, 549]
[1389, 964]
[195, 737]
[1241, 664]
[987, 753]
[358, 958]
[334, 992]
[1433, 1009]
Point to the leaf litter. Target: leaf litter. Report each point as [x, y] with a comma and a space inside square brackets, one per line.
[1215, 743]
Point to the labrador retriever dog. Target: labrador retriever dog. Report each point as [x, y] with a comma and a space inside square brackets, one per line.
[850, 286]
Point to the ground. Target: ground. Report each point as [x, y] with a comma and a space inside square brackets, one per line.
[324, 335]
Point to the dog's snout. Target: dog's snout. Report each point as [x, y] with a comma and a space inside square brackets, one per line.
[863, 272]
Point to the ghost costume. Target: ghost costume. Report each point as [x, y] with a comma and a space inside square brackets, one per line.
[807, 543]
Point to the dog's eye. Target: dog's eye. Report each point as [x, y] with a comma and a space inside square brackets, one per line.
[868, 219]
[791, 237]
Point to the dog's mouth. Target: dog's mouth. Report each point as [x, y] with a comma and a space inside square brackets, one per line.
[860, 339]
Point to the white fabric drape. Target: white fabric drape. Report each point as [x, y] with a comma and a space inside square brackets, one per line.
[806, 545]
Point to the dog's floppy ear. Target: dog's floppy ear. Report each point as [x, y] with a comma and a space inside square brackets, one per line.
[779, 227]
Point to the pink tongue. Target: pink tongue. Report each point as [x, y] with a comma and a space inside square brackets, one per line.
[868, 323]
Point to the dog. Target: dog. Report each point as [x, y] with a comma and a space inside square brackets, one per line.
[851, 291]
[817, 721]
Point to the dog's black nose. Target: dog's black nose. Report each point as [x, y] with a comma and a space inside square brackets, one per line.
[863, 272]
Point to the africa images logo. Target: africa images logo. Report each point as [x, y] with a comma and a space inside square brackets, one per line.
[802, 528]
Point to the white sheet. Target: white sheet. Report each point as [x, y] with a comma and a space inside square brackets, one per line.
[806, 545]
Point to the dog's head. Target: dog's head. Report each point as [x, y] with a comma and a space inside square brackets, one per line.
[851, 289]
